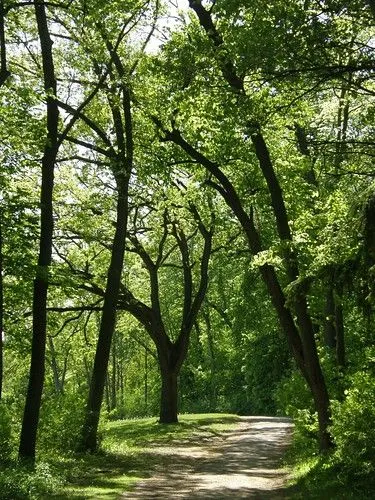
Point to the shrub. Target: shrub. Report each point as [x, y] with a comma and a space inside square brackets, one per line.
[19, 483]
[5, 433]
[61, 422]
[353, 425]
[292, 395]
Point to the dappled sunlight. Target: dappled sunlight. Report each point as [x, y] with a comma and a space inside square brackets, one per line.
[242, 463]
[194, 460]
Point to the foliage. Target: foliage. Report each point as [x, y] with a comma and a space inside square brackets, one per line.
[20, 483]
[353, 428]
[61, 420]
[307, 68]
[266, 360]
[6, 441]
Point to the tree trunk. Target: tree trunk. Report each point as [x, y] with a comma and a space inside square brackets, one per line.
[169, 396]
[211, 355]
[106, 393]
[314, 375]
[58, 382]
[107, 325]
[4, 73]
[121, 387]
[171, 358]
[114, 376]
[146, 381]
[37, 366]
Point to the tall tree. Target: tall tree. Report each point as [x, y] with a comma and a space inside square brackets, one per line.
[122, 168]
[300, 333]
[37, 366]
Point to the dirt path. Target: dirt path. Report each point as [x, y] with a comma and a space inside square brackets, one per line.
[242, 463]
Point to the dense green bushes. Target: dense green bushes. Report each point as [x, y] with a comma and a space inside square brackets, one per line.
[20, 483]
[61, 421]
[353, 427]
[349, 468]
[5, 433]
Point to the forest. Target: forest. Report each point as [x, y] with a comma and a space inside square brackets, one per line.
[187, 225]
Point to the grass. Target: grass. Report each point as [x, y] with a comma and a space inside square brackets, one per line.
[127, 454]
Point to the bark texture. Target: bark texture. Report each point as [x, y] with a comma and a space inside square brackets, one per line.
[37, 366]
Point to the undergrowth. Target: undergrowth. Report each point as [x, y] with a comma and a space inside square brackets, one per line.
[348, 471]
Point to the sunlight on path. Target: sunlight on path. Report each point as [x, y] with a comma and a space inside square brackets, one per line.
[243, 463]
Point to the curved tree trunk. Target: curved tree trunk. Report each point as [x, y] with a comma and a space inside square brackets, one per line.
[339, 326]
[300, 335]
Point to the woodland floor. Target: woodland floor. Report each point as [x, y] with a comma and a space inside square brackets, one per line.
[244, 462]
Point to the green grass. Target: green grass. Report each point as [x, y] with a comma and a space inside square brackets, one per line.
[128, 454]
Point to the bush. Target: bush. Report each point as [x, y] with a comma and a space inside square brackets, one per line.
[6, 444]
[353, 427]
[19, 483]
[61, 422]
[292, 395]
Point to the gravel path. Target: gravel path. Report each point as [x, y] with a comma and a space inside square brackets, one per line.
[242, 463]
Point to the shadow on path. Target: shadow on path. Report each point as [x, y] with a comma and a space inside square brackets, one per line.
[243, 463]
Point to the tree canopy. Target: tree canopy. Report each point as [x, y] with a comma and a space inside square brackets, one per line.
[187, 215]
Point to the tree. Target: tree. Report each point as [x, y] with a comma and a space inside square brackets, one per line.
[301, 335]
[171, 351]
[122, 168]
[37, 367]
